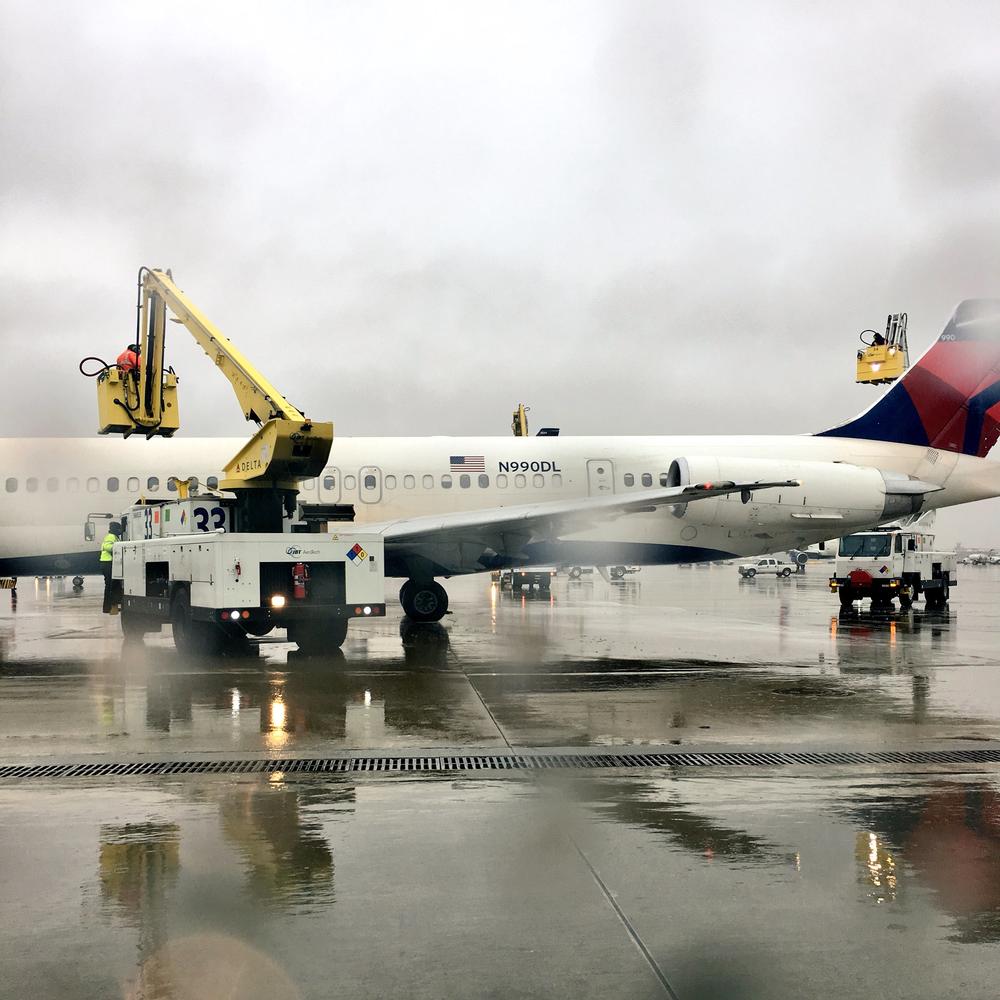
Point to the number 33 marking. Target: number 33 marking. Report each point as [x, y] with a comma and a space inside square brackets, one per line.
[202, 515]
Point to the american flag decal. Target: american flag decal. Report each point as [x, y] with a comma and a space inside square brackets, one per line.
[468, 463]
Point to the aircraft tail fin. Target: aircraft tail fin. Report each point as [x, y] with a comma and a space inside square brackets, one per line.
[950, 399]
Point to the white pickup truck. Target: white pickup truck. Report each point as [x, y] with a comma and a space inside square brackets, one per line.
[889, 564]
[773, 566]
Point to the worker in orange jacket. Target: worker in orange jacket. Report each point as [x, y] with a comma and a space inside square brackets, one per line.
[128, 360]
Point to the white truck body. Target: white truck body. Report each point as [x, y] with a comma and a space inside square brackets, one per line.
[883, 565]
[207, 581]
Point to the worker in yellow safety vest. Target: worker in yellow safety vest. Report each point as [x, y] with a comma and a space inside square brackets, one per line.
[107, 549]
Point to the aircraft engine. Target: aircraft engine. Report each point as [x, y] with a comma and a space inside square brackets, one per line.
[835, 486]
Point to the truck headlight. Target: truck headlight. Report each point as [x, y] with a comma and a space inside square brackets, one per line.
[278, 601]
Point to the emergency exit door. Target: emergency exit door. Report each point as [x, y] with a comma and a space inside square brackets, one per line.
[600, 477]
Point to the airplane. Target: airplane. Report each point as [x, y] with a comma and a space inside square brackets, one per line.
[456, 505]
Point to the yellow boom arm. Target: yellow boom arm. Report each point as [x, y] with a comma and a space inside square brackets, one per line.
[286, 449]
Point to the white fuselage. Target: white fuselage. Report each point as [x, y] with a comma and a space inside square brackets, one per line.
[50, 486]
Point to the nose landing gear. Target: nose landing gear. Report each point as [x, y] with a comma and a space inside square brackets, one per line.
[423, 601]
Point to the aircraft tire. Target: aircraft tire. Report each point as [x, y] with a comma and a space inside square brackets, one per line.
[846, 597]
[424, 602]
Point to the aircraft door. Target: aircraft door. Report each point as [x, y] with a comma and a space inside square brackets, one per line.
[370, 484]
[600, 477]
[329, 485]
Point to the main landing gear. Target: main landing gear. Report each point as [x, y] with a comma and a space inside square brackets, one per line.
[423, 600]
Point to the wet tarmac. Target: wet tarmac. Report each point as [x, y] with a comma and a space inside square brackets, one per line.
[623, 882]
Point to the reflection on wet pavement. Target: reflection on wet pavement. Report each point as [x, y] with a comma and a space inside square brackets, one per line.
[750, 883]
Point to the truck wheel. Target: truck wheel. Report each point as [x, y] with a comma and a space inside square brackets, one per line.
[575, 572]
[317, 638]
[786, 572]
[424, 602]
[180, 622]
[617, 572]
[133, 626]
[190, 637]
[905, 600]
[846, 597]
[750, 573]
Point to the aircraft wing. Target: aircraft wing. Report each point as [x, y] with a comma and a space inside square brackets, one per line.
[472, 541]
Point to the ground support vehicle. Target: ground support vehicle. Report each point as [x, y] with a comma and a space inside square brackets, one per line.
[774, 567]
[609, 573]
[527, 576]
[216, 588]
[893, 563]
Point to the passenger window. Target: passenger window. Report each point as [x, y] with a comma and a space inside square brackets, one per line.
[171, 485]
[193, 484]
[390, 482]
[350, 482]
[911, 545]
[112, 484]
[664, 479]
[556, 479]
[409, 482]
[72, 485]
[501, 482]
[133, 484]
[31, 485]
[329, 482]
[446, 482]
[465, 481]
[153, 484]
[212, 482]
[428, 482]
[369, 482]
[11, 485]
[538, 480]
[628, 479]
[52, 484]
[520, 482]
[647, 479]
[484, 482]
[93, 484]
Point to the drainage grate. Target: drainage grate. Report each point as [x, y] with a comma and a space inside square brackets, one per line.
[496, 762]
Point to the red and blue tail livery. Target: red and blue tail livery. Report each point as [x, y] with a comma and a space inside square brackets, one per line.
[950, 399]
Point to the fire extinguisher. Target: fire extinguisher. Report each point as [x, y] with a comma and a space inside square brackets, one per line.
[300, 577]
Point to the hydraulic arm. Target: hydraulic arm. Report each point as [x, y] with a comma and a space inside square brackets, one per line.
[266, 471]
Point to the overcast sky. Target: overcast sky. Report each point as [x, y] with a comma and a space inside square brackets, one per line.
[636, 217]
